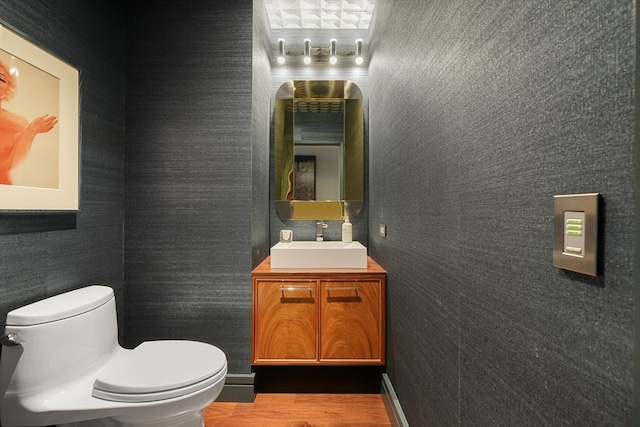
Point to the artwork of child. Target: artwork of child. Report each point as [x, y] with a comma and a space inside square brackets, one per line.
[17, 134]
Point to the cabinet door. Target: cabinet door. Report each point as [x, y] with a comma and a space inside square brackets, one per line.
[285, 320]
[351, 318]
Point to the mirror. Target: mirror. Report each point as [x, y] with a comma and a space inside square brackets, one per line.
[319, 149]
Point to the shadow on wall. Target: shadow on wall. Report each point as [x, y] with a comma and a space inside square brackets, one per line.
[30, 223]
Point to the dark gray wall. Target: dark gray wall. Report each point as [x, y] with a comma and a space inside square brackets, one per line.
[188, 202]
[261, 124]
[480, 112]
[43, 255]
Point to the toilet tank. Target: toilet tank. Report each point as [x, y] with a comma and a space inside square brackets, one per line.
[64, 338]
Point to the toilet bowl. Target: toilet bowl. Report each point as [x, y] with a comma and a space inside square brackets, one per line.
[61, 364]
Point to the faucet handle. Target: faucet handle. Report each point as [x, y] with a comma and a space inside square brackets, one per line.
[320, 226]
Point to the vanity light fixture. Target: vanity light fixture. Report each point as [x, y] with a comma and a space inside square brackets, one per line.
[281, 53]
[333, 59]
[359, 58]
[307, 51]
[321, 54]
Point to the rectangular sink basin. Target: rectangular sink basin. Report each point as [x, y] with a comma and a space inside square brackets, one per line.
[319, 255]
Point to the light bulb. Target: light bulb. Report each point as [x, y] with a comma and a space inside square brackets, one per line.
[281, 59]
[333, 59]
[359, 58]
[307, 51]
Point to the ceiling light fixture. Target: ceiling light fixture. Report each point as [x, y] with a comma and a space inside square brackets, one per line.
[281, 58]
[333, 59]
[307, 51]
[359, 58]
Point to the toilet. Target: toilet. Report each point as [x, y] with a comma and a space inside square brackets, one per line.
[61, 364]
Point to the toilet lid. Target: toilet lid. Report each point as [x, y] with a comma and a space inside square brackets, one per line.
[157, 370]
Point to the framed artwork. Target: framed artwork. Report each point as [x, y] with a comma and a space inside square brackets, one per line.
[39, 128]
[304, 178]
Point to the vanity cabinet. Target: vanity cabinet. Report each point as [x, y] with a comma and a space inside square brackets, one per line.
[318, 317]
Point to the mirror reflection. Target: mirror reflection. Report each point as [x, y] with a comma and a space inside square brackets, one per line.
[318, 131]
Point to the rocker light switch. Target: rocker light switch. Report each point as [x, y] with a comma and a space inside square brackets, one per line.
[575, 245]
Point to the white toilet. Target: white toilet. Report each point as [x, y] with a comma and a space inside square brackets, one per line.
[61, 364]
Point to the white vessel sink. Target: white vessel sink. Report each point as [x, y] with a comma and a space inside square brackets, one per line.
[319, 255]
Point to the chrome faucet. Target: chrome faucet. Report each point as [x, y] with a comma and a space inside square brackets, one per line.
[320, 226]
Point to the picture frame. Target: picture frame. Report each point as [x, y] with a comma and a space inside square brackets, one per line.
[304, 178]
[39, 129]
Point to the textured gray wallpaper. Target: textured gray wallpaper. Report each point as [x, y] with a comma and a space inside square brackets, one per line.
[480, 112]
[261, 125]
[43, 255]
[188, 168]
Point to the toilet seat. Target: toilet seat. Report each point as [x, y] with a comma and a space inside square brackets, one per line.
[158, 370]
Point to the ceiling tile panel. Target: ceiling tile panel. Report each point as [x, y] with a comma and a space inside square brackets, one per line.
[340, 14]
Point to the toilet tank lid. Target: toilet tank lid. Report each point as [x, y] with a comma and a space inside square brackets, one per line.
[61, 306]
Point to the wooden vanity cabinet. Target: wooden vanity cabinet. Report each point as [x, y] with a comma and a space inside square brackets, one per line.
[286, 320]
[318, 317]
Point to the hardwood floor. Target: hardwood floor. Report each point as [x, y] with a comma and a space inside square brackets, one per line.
[300, 410]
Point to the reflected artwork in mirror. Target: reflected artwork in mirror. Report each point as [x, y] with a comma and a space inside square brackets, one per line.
[319, 153]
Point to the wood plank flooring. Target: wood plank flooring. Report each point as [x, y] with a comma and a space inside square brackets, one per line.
[300, 410]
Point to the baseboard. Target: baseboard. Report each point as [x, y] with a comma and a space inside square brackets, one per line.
[238, 388]
[391, 402]
[317, 379]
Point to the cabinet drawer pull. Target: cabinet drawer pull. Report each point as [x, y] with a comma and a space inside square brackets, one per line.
[296, 288]
[342, 288]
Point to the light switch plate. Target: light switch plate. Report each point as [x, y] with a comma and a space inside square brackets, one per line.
[575, 238]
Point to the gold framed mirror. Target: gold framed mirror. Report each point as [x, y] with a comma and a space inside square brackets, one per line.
[319, 149]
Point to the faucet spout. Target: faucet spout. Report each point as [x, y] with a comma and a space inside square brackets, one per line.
[320, 227]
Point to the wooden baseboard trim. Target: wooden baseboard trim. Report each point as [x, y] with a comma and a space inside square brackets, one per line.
[238, 388]
[391, 402]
